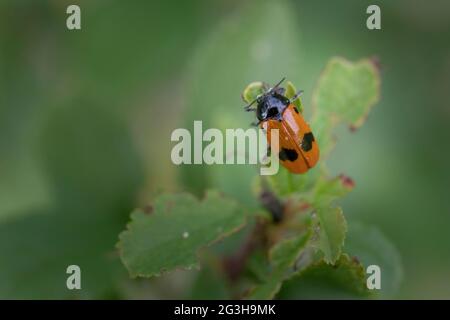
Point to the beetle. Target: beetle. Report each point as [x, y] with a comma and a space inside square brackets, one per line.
[298, 148]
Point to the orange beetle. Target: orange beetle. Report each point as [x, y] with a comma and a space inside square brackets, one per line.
[299, 151]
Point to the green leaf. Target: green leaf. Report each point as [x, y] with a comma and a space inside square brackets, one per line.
[283, 257]
[290, 93]
[284, 253]
[252, 91]
[171, 235]
[371, 247]
[330, 226]
[285, 183]
[257, 267]
[328, 190]
[345, 93]
[346, 279]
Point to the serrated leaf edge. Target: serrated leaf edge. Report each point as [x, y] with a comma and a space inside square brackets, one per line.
[196, 265]
[348, 63]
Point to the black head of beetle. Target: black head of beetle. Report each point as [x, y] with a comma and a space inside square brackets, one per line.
[271, 105]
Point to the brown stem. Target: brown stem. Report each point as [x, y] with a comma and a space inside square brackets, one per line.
[235, 264]
[272, 204]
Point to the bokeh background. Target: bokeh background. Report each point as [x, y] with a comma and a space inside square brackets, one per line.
[86, 118]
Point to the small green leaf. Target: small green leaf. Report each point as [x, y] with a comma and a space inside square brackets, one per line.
[285, 183]
[252, 91]
[170, 236]
[257, 267]
[290, 93]
[328, 190]
[371, 247]
[346, 92]
[345, 279]
[282, 256]
[331, 227]
[284, 253]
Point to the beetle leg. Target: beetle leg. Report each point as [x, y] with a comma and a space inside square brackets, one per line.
[298, 94]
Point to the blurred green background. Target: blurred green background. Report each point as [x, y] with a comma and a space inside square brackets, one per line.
[86, 118]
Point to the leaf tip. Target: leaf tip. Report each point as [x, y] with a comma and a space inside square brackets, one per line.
[346, 181]
[252, 90]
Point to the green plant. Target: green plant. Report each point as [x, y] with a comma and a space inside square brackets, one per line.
[305, 247]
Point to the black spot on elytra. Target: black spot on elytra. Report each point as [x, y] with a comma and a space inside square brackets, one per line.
[288, 154]
[295, 109]
[307, 141]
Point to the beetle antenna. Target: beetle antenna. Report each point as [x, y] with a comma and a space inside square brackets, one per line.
[247, 107]
[277, 85]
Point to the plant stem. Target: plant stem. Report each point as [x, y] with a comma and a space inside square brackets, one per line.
[235, 264]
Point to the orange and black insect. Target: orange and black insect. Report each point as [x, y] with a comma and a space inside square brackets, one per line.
[298, 149]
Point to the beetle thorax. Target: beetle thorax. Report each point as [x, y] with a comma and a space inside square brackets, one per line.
[271, 106]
